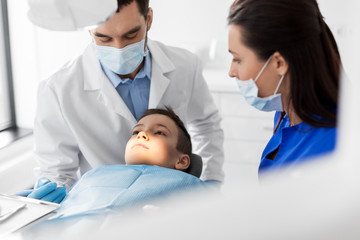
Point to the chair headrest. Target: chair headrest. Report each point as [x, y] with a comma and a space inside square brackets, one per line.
[196, 165]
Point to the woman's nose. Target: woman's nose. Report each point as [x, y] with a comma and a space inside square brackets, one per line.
[232, 71]
[143, 136]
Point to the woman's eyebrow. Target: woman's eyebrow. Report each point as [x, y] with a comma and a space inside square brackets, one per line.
[232, 52]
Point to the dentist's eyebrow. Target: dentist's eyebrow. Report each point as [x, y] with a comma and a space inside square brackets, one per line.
[100, 35]
[131, 31]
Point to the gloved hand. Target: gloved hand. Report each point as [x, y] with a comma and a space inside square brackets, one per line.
[46, 190]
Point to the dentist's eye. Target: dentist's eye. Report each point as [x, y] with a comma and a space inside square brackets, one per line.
[105, 40]
[130, 37]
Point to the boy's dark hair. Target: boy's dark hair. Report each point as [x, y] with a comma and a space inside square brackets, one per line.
[143, 5]
[184, 140]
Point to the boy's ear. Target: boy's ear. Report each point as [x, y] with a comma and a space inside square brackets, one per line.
[183, 162]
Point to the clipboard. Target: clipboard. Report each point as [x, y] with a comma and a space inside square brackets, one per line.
[17, 212]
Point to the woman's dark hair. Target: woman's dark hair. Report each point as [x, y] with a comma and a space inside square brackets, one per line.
[143, 5]
[184, 140]
[296, 29]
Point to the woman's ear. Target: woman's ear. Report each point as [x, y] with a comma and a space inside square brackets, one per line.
[281, 64]
[183, 162]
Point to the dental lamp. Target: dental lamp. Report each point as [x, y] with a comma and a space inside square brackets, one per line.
[70, 15]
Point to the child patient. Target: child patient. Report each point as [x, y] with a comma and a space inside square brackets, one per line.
[159, 147]
[159, 138]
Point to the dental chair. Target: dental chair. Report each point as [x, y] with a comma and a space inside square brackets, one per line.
[196, 165]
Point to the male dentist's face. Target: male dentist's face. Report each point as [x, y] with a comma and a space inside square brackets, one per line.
[125, 27]
[153, 142]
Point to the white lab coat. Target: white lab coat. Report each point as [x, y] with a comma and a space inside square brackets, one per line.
[82, 122]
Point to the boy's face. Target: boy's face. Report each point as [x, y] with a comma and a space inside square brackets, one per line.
[153, 142]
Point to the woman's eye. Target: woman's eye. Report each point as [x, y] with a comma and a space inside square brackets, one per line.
[235, 60]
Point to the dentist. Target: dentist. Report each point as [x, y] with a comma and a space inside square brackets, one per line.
[285, 59]
[86, 111]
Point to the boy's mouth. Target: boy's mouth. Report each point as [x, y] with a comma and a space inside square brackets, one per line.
[140, 145]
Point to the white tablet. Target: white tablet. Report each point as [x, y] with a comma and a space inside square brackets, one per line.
[17, 212]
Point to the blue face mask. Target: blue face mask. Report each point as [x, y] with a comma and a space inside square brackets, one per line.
[122, 60]
[250, 91]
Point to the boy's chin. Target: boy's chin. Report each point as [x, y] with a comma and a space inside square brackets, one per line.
[137, 161]
[136, 157]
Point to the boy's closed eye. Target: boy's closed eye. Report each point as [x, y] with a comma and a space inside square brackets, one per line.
[160, 133]
[135, 132]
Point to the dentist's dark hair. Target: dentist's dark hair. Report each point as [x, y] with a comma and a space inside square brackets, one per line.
[184, 140]
[143, 5]
[297, 30]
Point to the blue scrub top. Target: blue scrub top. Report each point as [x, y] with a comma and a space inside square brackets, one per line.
[296, 143]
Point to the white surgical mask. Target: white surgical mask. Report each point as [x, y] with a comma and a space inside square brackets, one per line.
[122, 60]
[250, 91]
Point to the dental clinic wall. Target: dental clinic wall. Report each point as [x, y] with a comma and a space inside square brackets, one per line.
[199, 26]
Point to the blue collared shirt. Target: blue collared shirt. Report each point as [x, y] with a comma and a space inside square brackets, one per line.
[135, 93]
[296, 144]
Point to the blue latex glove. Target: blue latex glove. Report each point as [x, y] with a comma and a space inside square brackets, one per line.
[46, 190]
[40, 182]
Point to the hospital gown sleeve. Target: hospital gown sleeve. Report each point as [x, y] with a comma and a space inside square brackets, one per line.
[204, 127]
[56, 150]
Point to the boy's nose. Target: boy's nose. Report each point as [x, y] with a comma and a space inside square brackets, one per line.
[143, 136]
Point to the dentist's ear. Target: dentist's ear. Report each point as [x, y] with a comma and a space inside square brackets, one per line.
[183, 162]
[91, 35]
[281, 65]
[149, 18]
